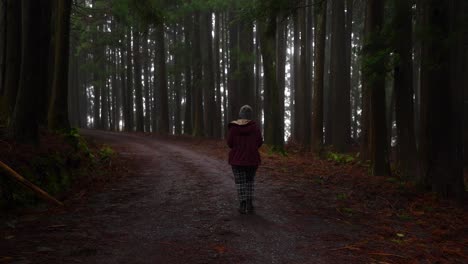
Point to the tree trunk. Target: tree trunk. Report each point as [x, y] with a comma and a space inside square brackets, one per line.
[198, 129]
[340, 108]
[403, 87]
[12, 57]
[218, 118]
[146, 74]
[123, 84]
[299, 76]
[233, 79]
[206, 51]
[375, 82]
[296, 121]
[58, 107]
[317, 118]
[137, 60]
[281, 66]
[24, 125]
[188, 75]
[3, 31]
[273, 125]
[225, 56]
[163, 113]
[442, 109]
[129, 85]
[177, 83]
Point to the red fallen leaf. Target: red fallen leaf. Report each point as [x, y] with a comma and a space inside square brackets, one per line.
[220, 249]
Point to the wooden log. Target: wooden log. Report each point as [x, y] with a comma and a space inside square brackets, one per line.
[24, 182]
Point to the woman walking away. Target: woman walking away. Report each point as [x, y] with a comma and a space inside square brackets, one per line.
[244, 139]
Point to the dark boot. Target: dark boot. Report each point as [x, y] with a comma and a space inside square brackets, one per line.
[243, 207]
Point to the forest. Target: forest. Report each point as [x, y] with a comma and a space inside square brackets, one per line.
[382, 83]
[387, 79]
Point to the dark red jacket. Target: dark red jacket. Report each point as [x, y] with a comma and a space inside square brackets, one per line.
[244, 139]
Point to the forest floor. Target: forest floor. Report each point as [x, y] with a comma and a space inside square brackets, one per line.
[174, 201]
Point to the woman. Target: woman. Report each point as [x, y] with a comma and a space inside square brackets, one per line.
[244, 139]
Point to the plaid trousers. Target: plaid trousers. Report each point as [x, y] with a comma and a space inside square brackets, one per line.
[244, 177]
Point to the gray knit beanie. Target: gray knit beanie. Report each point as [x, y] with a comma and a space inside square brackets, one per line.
[245, 112]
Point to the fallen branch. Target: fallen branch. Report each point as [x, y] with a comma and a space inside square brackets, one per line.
[15, 176]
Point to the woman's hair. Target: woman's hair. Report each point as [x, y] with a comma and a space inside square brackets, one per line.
[245, 112]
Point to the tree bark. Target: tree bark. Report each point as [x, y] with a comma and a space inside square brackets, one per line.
[12, 57]
[129, 85]
[188, 75]
[209, 106]
[317, 118]
[24, 125]
[340, 108]
[217, 64]
[233, 78]
[403, 87]
[198, 129]
[267, 29]
[163, 113]
[177, 83]
[58, 106]
[281, 66]
[146, 74]
[3, 31]
[442, 109]
[375, 82]
[137, 60]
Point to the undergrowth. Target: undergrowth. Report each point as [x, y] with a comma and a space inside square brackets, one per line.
[61, 160]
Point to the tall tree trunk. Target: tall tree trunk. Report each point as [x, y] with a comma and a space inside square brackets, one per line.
[317, 117]
[267, 29]
[123, 84]
[24, 125]
[206, 51]
[225, 63]
[328, 91]
[12, 57]
[258, 77]
[58, 107]
[299, 76]
[129, 85]
[188, 75]
[233, 79]
[296, 121]
[177, 83]
[163, 113]
[365, 97]
[340, 108]
[308, 78]
[116, 97]
[281, 66]
[442, 109]
[465, 73]
[3, 31]
[375, 83]
[403, 86]
[198, 129]
[217, 64]
[146, 74]
[347, 71]
[137, 60]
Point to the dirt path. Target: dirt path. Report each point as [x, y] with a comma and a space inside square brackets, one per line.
[178, 207]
